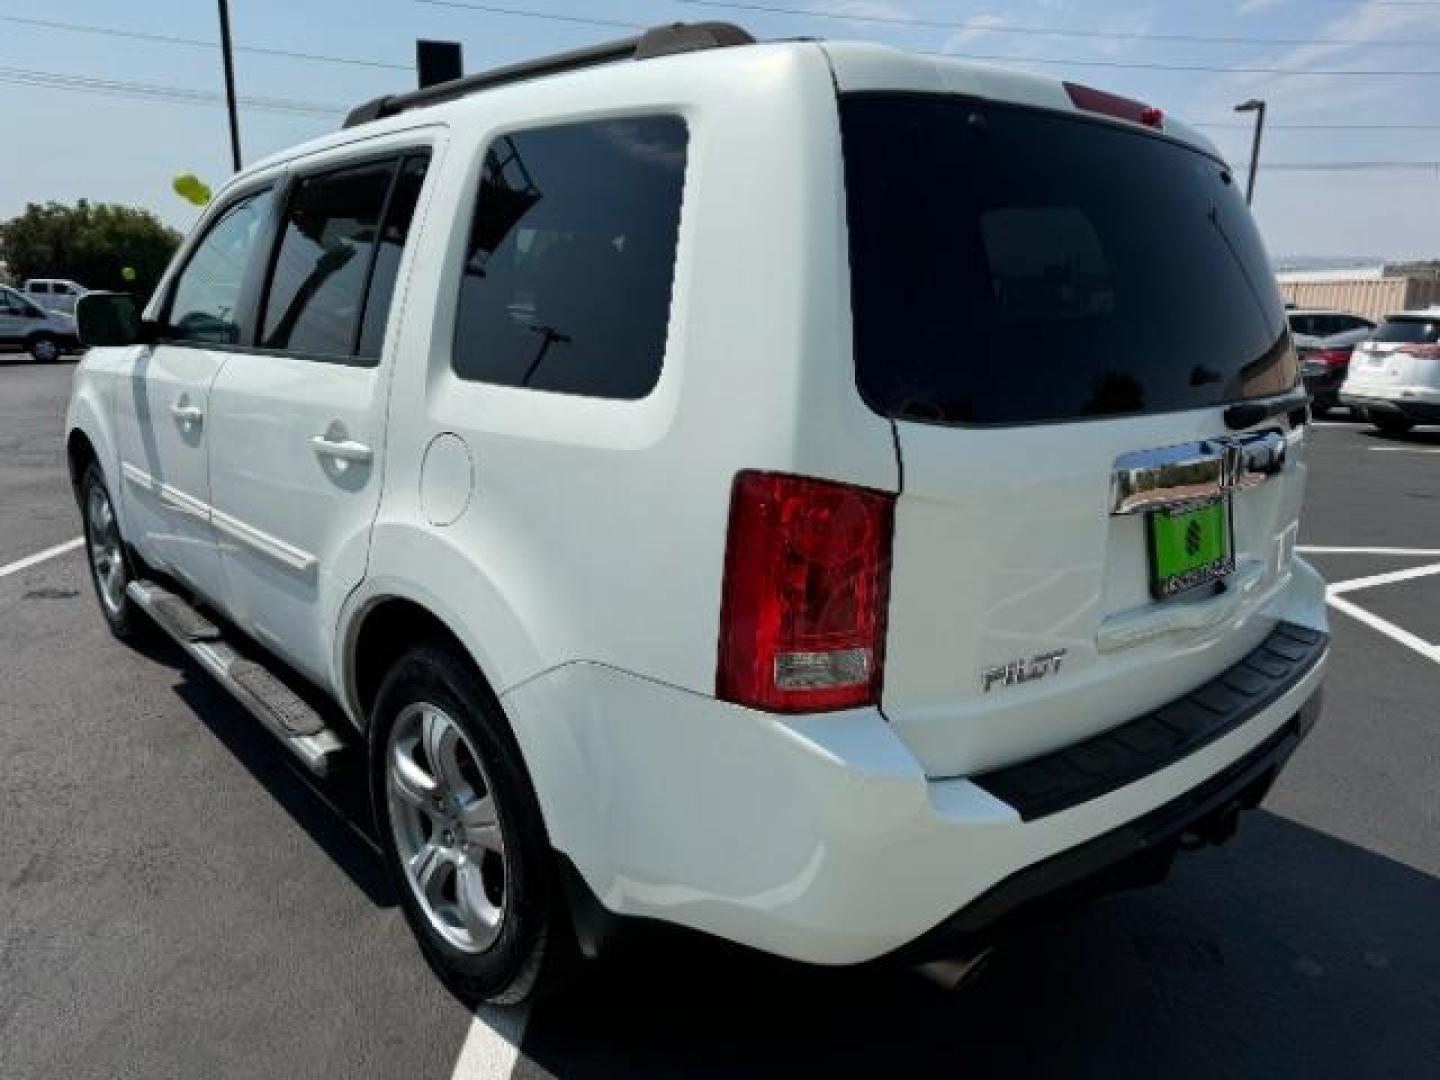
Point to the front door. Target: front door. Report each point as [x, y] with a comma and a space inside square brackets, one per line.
[299, 425]
[163, 415]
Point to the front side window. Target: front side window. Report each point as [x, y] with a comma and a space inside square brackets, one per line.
[317, 287]
[202, 306]
[571, 258]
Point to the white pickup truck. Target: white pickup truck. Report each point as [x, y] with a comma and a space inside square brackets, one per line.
[830, 498]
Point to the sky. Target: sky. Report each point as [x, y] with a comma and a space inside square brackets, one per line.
[105, 143]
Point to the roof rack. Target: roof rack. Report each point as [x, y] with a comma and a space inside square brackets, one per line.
[657, 41]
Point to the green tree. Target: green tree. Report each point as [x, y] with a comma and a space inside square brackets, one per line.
[92, 243]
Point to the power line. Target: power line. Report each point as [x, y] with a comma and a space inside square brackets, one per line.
[1011, 58]
[1041, 31]
[551, 16]
[153, 92]
[166, 39]
[1229, 126]
[1341, 166]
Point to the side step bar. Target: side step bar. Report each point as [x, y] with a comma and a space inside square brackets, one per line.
[284, 713]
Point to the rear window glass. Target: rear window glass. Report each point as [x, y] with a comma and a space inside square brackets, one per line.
[1408, 330]
[1011, 265]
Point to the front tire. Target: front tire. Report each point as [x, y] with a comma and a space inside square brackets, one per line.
[1391, 424]
[105, 552]
[44, 349]
[461, 830]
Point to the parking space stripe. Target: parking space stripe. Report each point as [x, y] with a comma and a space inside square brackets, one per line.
[40, 556]
[1405, 449]
[492, 1045]
[1310, 549]
[1395, 633]
[1383, 579]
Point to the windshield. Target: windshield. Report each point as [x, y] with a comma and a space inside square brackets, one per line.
[1012, 265]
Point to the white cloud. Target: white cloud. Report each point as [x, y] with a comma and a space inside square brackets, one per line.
[976, 27]
[1247, 7]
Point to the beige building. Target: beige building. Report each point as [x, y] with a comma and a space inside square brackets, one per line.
[1374, 292]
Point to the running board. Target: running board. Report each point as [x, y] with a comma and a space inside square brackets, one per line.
[292, 720]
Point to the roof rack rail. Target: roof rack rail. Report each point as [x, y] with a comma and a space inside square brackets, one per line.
[657, 41]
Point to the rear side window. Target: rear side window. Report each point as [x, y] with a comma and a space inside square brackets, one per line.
[1411, 330]
[571, 257]
[1013, 265]
[202, 305]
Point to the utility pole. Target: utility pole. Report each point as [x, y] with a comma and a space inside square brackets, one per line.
[226, 51]
[1256, 106]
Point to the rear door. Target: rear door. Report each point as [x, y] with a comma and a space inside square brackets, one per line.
[1055, 311]
[163, 414]
[298, 435]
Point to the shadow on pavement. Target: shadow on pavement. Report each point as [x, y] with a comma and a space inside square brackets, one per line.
[1288, 953]
[334, 812]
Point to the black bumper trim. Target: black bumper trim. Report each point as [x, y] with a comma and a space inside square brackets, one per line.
[1087, 770]
[1422, 412]
[1136, 853]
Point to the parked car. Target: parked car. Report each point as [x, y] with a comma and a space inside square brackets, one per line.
[1324, 364]
[55, 294]
[819, 508]
[1394, 378]
[45, 335]
[1310, 326]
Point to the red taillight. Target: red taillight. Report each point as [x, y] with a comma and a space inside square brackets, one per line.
[1419, 349]
[1330, 358]
[1098, 101]
[807, 581]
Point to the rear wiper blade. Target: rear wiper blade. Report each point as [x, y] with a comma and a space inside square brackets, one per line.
[1246, 414]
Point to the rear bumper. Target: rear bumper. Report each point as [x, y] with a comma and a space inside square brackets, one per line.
[1422, 409]
[820, 838]
[1137, 853]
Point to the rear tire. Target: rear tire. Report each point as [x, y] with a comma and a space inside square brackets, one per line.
[1391, 424]
[110, 571]
[461, 831]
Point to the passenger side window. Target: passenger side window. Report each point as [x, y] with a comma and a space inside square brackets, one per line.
[202, 305]
[571, 258]
[339, 243]
[387, 254]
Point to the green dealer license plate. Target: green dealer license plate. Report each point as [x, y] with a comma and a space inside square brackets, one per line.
[1190, 547]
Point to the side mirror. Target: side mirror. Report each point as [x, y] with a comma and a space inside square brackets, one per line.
[106, 318]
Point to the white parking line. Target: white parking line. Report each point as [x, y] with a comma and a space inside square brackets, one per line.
[40, 556]
[493, 1044]
[1306, 549]
[1405, 449]
[1383, 579]
[1395, 633]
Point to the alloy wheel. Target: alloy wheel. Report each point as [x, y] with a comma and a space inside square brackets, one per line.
[446, 826]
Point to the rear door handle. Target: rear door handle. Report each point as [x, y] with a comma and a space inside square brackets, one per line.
[187, 414]
[347, 450]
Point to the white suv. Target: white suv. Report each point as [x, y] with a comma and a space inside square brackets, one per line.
[763, 488]
[1394, 377]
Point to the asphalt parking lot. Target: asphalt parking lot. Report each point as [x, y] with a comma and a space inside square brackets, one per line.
[177, 899]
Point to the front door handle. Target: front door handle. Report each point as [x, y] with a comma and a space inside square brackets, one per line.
[347, 450]
[187, 414]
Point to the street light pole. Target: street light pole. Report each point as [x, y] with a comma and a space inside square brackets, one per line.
[226, 51]
[1256, 106]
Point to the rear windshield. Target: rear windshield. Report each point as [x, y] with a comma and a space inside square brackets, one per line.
[1408, 330]
[1011, 265]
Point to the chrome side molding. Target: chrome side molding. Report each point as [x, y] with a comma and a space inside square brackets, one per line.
[1190, 472]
